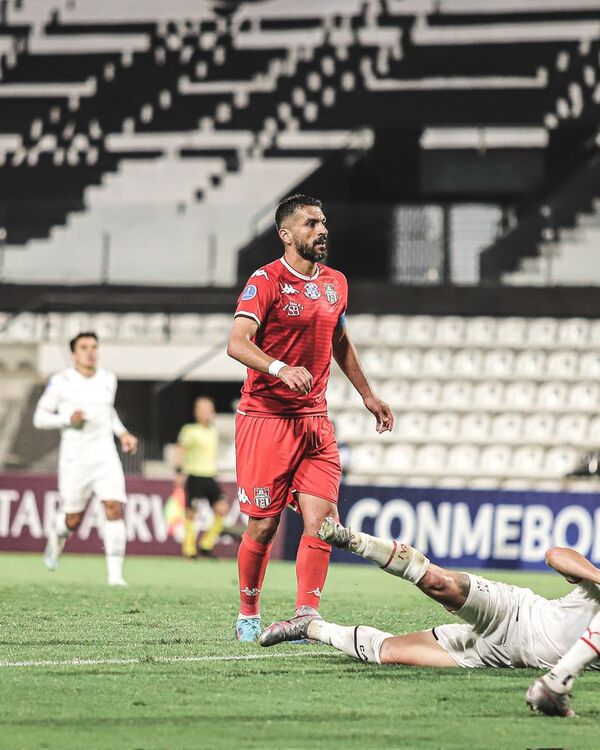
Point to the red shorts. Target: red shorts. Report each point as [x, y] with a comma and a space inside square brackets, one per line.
[278, 456]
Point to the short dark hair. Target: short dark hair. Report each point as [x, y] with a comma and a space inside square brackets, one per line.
[289, 204]
[82, 335]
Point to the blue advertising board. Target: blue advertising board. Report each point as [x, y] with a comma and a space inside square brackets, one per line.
[469, 528]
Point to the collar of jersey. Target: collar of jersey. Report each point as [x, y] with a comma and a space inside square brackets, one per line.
[300, 275]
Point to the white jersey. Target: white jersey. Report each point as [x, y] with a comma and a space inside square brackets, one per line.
[508, 626]
[69, 391]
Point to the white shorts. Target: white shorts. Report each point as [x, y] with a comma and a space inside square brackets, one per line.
[497, 631]
[78, 482]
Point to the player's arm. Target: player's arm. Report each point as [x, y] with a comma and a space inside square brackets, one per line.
[345, 354]
[242, 348]
[572, 565]
[47, 416]
[129, 442]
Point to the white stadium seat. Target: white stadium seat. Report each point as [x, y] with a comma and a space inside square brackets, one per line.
[563, 364]
[495, 460]
[186, 327]
[541, 332]
[406, 362]
[106, 326]
[593, 435]
[521, 395]
[511, 332]
[574, 332]
[425, 394]
[350, 426]
[480, 331]
[437, 363]
[499, 363]
[376, 362]
[411, 426]
[362, 329]
[475, 427]
[584, 397]
[467, 363]
[391, 330]
[431, 459]
[462, 459]
[594, 334]
[507, 428]
[420, 329]
[75, 323]
[443, 426]
[131, 327]
[560, 461]
[527, 460]
[395, 393]
[539, 427]
[552, 396]
[399, 458]
[457, 394]
[156, 325]
[530, 364]
[337, 392]
[572, 428]
[366, 458]
[589, 365]
[488, 394]
[449, 331]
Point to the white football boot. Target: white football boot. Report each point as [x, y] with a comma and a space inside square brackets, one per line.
[543, 700]
[54, 546]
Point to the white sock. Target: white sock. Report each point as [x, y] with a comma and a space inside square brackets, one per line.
[359, 642]
[394, 557]
[60, 526]
[115, 539]
[585, 651]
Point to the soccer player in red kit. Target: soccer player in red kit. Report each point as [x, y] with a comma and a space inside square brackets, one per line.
[289, 321]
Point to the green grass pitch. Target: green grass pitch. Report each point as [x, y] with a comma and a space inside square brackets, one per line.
[288, 697]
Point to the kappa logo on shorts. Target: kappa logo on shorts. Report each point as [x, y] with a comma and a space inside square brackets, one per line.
[243, 497]
[330, 293]
[262, 497]
[311, 290]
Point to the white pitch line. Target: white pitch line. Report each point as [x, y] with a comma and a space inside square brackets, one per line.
[153, 659]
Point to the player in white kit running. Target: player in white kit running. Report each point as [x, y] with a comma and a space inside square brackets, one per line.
[504, 626]
[79, 401]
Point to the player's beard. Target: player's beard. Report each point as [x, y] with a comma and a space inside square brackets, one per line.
[315, 252]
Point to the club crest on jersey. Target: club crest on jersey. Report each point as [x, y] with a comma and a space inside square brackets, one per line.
[293, 308]
[262, 497]
[311, 290]
[288, 289]
[330, 293]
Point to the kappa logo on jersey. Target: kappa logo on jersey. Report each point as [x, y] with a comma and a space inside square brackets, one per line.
[249, 292]
[293, 309]
[288, 289]
[262, 497]
[243, 497]
[311, 290]
[260, 272]
[330, 293]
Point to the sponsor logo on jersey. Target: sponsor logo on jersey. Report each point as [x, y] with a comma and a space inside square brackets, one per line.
[249, 292]
[311, 290]
[293, 308]
[243, 497]
[288, 289]
[330, 293]
[262, 497]
[260, 272]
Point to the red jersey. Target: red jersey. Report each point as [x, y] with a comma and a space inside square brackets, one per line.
[297, 316]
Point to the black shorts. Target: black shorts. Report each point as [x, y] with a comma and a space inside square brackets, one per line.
[197, 488]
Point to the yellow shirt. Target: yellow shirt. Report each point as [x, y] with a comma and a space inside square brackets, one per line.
[200, 443]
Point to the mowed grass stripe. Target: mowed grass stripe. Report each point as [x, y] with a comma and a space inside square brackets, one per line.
[158, 659]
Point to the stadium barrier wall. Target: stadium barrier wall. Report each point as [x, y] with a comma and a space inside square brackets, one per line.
[28, 504]
[470, 528]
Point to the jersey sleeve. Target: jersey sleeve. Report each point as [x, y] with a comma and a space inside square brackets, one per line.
[257, 298]
[46, 415]
[342, 317]
[182, 438]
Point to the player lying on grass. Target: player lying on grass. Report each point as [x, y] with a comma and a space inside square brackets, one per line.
[504, 626]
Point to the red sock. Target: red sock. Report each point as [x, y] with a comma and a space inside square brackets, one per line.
[312, 563]
[252, 565]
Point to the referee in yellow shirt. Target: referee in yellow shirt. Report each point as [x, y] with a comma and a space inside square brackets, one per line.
[196, 458]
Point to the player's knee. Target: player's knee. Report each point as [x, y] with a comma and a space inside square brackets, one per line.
[73, 521]
[113, 510]
[262, 530]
